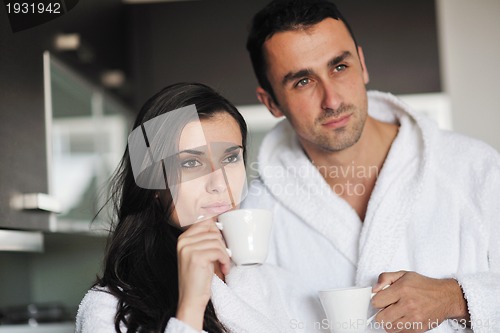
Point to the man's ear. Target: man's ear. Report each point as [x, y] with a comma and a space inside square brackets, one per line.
[269, 102]
[366, 76]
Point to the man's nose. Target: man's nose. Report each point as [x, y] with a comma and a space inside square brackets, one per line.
[331, 98]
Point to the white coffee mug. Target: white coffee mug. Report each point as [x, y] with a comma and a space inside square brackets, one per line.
[246, 232]
[347, 308]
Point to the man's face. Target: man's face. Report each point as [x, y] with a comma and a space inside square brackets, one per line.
[319, 83]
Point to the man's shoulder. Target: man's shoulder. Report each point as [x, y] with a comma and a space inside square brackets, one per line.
[459, 156]
[457, 145]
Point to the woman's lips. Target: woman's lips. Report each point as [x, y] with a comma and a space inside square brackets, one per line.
[336, 123]
[217, 208]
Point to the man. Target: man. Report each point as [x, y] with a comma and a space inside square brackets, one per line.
[365, 191]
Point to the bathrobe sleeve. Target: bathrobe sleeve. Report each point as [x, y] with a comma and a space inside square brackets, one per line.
[177, 326]
[482, 289]
[96, 314]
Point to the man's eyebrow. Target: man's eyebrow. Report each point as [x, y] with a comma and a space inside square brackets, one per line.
[291, 76]
[338, 59]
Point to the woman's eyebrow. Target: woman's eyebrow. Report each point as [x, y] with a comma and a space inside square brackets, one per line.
[198, 152]
[192, 151]
[233, 148]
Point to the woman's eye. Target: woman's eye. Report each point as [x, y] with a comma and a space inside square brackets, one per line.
[303, 82]
[189, 164]
[231, 159]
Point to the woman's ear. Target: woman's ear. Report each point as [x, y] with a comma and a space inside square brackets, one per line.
[266, 99]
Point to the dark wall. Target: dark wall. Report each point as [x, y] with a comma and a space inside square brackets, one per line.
[400, 43]
[205, 41]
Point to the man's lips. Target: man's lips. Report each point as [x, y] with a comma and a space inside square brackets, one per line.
[336, 123]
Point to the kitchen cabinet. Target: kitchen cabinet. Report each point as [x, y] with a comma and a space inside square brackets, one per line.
[23, 158]
[87, 137]
[54, 168]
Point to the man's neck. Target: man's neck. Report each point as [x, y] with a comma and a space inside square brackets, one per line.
[353, 172]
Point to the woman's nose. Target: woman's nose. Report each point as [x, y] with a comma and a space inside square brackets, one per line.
[216, 182]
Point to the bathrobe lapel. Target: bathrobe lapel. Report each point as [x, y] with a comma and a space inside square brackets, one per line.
[396, 192]
[292, 178]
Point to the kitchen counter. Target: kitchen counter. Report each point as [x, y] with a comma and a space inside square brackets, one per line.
[40, 328]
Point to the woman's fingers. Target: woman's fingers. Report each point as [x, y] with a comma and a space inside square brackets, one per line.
[185, 240]
[197, 249]
[203, 236]
[204, 257]
[200, 245]
[200, 228]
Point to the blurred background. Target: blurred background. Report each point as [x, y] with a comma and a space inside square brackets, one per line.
[69, 89]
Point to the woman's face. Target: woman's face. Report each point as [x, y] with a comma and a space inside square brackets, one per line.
[212, 170]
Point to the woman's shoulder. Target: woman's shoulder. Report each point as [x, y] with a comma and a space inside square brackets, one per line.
[97, 296]
[96, 312]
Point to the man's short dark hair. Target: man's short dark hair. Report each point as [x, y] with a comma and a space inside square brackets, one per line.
[285, 15]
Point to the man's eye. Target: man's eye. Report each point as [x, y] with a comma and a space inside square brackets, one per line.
[303, 82]
[340, 68]
[189, 164]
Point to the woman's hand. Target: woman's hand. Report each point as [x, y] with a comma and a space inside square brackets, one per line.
[199, 249]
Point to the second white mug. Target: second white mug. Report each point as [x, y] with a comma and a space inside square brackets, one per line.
[347, 308]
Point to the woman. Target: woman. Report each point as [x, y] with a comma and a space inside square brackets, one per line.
[161, 271]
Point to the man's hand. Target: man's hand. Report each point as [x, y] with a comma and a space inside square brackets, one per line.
[415, 303]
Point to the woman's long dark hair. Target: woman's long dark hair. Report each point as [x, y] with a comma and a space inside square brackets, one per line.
[140, 265]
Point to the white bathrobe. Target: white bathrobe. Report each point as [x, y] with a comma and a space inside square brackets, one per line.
[254, 299]
[435, 209]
